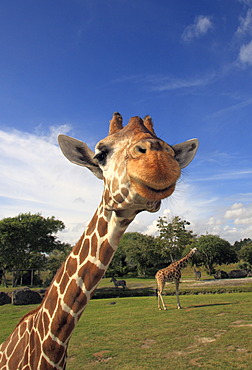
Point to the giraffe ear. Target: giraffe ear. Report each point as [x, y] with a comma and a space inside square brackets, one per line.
[185, 152]
[79, 153]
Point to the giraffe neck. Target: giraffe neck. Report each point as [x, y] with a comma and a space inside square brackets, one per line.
[77, 279]
[183, 262]
[50, 326]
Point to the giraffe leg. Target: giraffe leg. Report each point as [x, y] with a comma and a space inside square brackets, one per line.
[160, 298]
[177, 293]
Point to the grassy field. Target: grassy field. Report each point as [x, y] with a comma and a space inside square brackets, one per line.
[188, 285]
[212, 331]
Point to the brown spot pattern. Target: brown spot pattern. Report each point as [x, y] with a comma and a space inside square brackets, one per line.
[63, 283]
[118, 198]
[106, 252]
[90, 274]
[125, 192]
[62, 326]
[74, 297]
[51, 300]
[78, 245]
[94, 242]
[84, 251]
[102, 227]
[92, 226]
[71, 266]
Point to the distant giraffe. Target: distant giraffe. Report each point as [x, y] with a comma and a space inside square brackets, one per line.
[171, 273]
[197, 274]
[118, 283]
[138, 170]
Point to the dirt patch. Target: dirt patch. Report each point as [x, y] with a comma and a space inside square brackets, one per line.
[221, 282]
[194, 362]
[237, 349]
[148, 343]
[196, 347]
[240, 323]
[188, 350]
[102, 356]
[205, 340]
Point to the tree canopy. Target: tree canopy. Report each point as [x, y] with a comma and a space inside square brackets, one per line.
[213, 251]
[26, 239]
[136, 252]
[173, 237]
[245, 253]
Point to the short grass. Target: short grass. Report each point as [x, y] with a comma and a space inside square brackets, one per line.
[188, 285]
[211, 331]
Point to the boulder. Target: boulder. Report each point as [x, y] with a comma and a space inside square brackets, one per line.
[234, 274]
[220, 275]
[25, 296]
[41, 292]
[4, 298]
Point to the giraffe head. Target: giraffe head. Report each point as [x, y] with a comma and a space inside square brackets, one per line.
[193, 251]
[138, 168]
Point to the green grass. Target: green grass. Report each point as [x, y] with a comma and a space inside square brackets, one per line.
[188, 285]
[211, 331]
[146, 286]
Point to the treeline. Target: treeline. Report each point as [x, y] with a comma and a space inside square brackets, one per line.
[144, 255]
[28, 244]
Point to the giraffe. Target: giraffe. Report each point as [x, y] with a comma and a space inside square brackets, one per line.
[138, 170]
[171, 273]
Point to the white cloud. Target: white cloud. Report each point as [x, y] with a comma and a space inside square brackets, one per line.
[166, 83]
[202, 24]
[36, 177]
[233, 222]
[236, 206]
[231, 108]
[235, 210]
[206, 213]
[245, 23]
[245, 55]
[244, 32]
[243, 221]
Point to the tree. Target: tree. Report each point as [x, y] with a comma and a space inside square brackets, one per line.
[245, 253]
[173, 237]
[213, 251]
[140, 252]
[26, 239]
[118, 265]
[55, 259]
[241, 243]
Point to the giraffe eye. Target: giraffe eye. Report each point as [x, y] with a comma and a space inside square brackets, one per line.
[101, 157]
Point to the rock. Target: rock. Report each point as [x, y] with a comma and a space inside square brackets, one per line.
[4, 298]
[237, 274]
[221, 275]
[25, 296]
[41, 292]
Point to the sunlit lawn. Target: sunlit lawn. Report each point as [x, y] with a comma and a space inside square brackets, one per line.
[212, 331]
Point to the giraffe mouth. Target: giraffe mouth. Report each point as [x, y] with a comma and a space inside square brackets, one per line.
[155, 190]
[150, 191]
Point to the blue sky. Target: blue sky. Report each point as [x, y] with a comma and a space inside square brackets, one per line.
[67, 65]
